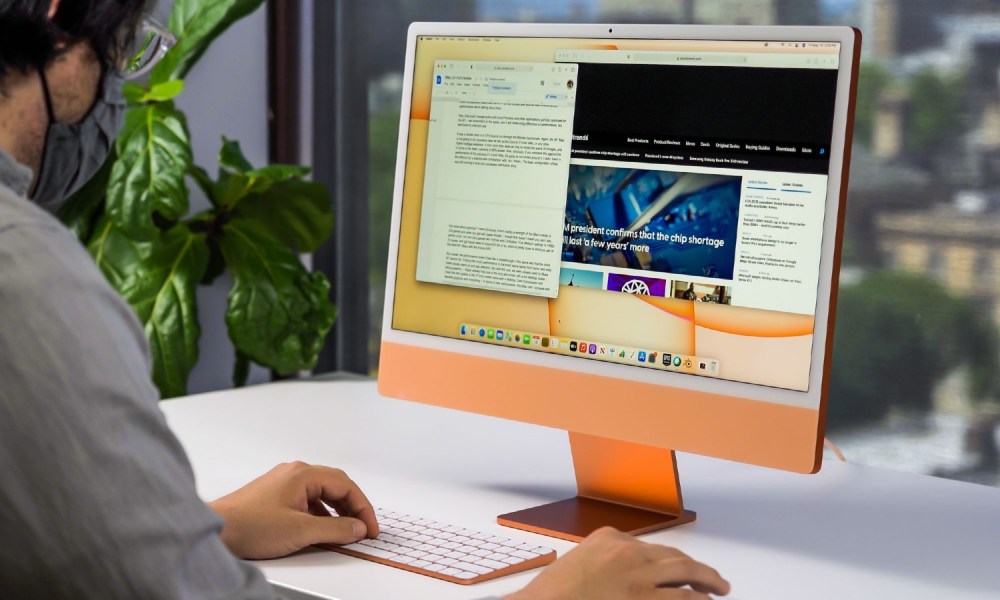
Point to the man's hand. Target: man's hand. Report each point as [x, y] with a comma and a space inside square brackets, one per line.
[610, 565]
[282, 511]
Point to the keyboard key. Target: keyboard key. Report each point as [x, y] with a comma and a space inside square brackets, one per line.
[474, 568]
[493, 564]
[525, 555]
[379, 553]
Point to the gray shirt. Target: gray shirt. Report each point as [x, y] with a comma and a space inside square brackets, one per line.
[97, 498]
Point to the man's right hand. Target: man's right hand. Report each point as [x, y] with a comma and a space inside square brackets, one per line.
[610, 565]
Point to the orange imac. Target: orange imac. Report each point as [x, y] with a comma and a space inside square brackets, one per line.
[630, 232]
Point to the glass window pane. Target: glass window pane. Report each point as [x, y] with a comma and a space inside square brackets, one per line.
[916, 376]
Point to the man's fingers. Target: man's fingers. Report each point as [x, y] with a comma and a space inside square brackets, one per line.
[658, 552]
[678, 572]
[676, 594]
[334, 487]
[331, 530]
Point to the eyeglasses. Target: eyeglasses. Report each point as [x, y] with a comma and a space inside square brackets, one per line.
[152, 43]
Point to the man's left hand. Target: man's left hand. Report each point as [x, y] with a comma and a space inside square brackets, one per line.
[283, 511]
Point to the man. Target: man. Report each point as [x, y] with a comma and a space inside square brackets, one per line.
[98, 499]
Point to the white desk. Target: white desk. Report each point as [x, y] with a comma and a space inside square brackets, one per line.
[848, 532]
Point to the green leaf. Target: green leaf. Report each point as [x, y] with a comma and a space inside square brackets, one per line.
[231, 188]
[296, 213]
[115, 253]
[278, 313]
[158, 279]
[231, 157]
[81, 209]
[133, 92]
[216, 264]
[238, 178]
[204, 181]
[241, 370]
[154, 154]
[137, 94]
[197, 23]
[162, 92]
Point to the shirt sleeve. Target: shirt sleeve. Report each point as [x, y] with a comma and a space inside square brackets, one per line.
[98, 498]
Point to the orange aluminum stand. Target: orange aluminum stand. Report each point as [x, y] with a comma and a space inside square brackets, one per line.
[631, 487]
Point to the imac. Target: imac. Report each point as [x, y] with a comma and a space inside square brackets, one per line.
[629, 232]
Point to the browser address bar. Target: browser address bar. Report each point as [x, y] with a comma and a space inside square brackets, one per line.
[687, 57]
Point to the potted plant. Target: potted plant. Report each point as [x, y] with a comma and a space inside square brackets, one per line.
[135, 220]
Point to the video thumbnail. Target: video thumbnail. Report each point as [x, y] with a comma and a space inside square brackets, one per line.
[581, 278]
[701, 292]
[636, 284]
[666, 221]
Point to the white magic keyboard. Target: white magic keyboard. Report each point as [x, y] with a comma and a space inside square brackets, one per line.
[444, 551]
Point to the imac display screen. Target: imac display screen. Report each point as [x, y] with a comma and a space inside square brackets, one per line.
[652, 203]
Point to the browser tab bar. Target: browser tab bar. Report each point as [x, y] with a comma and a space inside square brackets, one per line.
[799, 58]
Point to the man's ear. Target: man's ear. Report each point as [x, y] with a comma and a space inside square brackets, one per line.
[53, 8]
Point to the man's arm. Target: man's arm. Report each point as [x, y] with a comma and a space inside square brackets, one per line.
[98, 497]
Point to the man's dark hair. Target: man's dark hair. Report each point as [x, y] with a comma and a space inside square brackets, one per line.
[28, 37]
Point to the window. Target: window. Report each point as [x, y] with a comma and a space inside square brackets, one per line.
[916, 383]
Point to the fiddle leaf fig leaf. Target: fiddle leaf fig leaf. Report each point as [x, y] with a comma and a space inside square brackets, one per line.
[161, 92]
[296, 213]
[154, 153]
[138, 94]
[81, 209]
[133, 93]
[158, 279]
[115, 253]
[197, 23]
[278, 312]
[231, 157]
[201, 177]
[238, 178]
